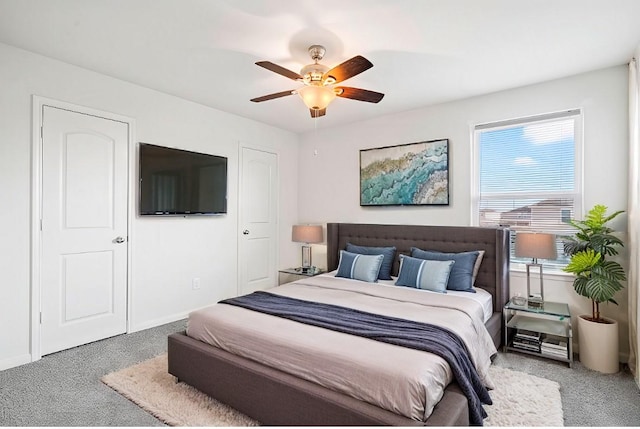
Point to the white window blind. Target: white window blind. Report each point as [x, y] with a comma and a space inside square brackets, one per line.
[528, 176]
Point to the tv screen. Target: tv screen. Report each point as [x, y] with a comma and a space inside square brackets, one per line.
[180, 182]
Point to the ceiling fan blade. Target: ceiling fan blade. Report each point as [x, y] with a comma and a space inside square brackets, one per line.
[279, 69]
[272, 96]
[359, 94]
[349, 68]
[316, 113]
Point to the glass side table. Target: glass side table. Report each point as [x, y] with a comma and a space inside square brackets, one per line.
[292, 274]
[543, 331]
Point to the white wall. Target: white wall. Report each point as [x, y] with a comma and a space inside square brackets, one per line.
[167, 252]
[601, 94]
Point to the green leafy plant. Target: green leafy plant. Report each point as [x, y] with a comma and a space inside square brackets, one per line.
[597, 278]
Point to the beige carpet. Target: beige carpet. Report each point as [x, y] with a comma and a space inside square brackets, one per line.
[519, 400]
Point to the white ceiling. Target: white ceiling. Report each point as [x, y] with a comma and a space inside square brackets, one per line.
[424, 51]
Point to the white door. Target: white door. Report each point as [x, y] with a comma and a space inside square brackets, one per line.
[83, 270]
[258, 243]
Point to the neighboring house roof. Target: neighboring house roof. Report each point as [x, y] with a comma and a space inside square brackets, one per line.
[551, 202]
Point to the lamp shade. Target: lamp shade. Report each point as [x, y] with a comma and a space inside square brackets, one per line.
[307, 233]
[536, 245]
[316, 97]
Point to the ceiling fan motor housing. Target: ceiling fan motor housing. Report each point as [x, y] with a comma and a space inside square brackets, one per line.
[312, 73]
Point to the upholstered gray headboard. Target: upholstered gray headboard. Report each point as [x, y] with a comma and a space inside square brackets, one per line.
[494, 270]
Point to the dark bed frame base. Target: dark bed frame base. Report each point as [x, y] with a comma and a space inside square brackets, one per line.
[275, 398]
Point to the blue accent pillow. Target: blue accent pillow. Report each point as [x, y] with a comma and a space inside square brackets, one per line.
[387, 263]
[359, 267]
[461, 277]
[424, 274]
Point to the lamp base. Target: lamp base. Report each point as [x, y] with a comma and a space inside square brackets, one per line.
[535, 302]
[308, 270]
[306, 256]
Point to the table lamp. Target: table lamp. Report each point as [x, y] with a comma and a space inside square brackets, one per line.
[307, 234]
[535, 245]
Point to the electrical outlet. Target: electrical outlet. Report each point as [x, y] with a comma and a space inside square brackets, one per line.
[195, 283]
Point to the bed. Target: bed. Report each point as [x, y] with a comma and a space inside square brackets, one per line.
[262, 390]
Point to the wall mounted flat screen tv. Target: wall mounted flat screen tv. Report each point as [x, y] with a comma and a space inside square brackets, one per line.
[180, 182]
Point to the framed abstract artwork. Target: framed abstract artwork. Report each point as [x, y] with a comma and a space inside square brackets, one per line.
[405, 175]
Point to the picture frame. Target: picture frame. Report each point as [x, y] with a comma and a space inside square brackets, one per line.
[412, 174]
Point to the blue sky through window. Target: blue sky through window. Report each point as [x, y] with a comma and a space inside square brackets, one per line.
[529, 158]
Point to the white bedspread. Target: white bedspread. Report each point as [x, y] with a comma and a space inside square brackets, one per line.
[484, 298]
[405, 381]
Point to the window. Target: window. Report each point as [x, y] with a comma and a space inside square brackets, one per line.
[528, 176]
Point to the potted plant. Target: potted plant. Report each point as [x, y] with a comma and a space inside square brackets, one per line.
[598, 279]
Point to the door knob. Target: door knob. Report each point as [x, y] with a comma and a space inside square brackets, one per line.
[245, 232]
[118, 240]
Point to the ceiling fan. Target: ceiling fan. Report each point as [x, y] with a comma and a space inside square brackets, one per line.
[319, 82]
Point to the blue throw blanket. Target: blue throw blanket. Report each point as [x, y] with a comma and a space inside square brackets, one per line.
[386, 329]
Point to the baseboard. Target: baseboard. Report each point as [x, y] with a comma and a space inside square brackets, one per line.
[14, 361]
[163, 320]
[157, 322]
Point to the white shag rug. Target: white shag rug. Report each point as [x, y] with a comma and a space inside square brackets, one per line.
[519, 400]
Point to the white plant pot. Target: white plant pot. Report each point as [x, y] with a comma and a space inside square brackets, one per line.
[598, 344]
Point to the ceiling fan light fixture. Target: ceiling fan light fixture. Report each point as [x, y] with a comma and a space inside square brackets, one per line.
[316, 97]
[320, 90]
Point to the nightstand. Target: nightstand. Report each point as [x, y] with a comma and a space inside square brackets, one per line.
[541, 331]
[288, 275]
